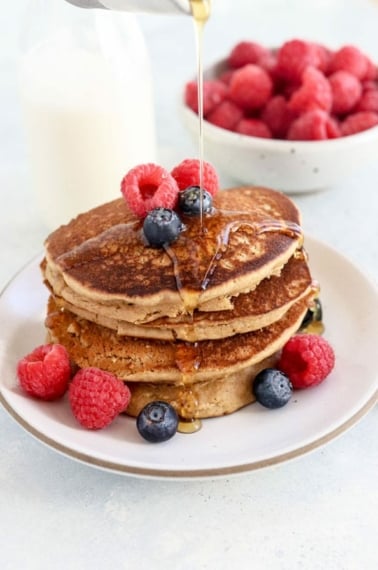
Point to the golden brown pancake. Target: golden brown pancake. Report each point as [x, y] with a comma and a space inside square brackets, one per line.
[206, 399]
[99, 261]
[251, 311]
[192, 323]
[146, 360]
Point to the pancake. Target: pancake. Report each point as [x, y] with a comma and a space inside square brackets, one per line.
[145, 360]
[207, 399]
[99, 262]
[251, 311]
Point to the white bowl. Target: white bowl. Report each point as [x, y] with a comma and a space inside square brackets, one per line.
[289, 166]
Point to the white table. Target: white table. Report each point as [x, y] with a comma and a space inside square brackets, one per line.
[317, 512]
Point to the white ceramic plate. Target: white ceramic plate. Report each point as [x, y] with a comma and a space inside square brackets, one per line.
[249, 439]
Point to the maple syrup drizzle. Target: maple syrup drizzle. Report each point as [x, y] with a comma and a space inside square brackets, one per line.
[201, 12]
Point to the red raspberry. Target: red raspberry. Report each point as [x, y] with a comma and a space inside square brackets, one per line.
[253, 128]
[314, 93]
[226, 115]
[314, 125]
[324, 57]
[97, 397]
[368, 101]
[225, 76]
[372, 71]
[246, 52]
[368, 84]
[307, 359]
[294, 56]
[214, 92]
[187, 174]
[333, 128]
[268, 62]
[250, 87]
[350, 58]
[149, 186]
[45, 372]
[358, 122]
[278, 116]
[346, 91]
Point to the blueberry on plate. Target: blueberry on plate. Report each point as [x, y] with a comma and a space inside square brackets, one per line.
[161, 226]
[157, 421]
[190, 201]
[272, 388]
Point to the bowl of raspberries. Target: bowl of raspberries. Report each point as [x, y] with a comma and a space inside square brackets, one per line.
[298, 117]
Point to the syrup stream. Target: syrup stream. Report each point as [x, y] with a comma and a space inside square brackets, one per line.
[201, 13]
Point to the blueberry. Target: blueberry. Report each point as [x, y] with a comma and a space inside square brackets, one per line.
[157, 421]
[161, 226]
[314, 314]
[272, 388]
[190, 201]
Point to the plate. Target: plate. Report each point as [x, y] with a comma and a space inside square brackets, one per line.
[249, 439]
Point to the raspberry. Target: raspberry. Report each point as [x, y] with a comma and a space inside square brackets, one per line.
[250, 87]
[149, 186]
[226, 75]
[368, 101]
[253, 128]
[45, 372]
[346, 91]
[226, 115]
[358, 122]
[333, 128]
[277, 115]
[97, 397]
[246, 52]
[214, 92]
[268, 62]
[350, 58]
[307, 359]
[187, 174]
[294, 56]
[372, 71]
[314, 125]
[314, 93]
[324, 57]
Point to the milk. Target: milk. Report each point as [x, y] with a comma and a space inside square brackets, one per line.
[89, 118]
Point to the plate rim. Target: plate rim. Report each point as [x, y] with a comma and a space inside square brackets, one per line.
[182, 474]
[194, 473]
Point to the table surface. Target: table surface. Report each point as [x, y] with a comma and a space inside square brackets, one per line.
[319, 511]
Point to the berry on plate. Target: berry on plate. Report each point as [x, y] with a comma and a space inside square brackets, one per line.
[97, 397]
[187, 173]
[307, 359]
[272, 388]
[45, 372]
[149, 186]
[190, 201]
[157, 422]
[161, 226]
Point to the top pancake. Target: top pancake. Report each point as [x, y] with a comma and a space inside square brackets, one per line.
[100, 257]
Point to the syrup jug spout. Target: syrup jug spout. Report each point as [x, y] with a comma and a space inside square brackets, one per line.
[150, 6]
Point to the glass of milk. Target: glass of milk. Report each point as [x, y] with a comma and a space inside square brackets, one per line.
[87, 98]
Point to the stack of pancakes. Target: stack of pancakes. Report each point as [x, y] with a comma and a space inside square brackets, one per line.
[191, 323]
